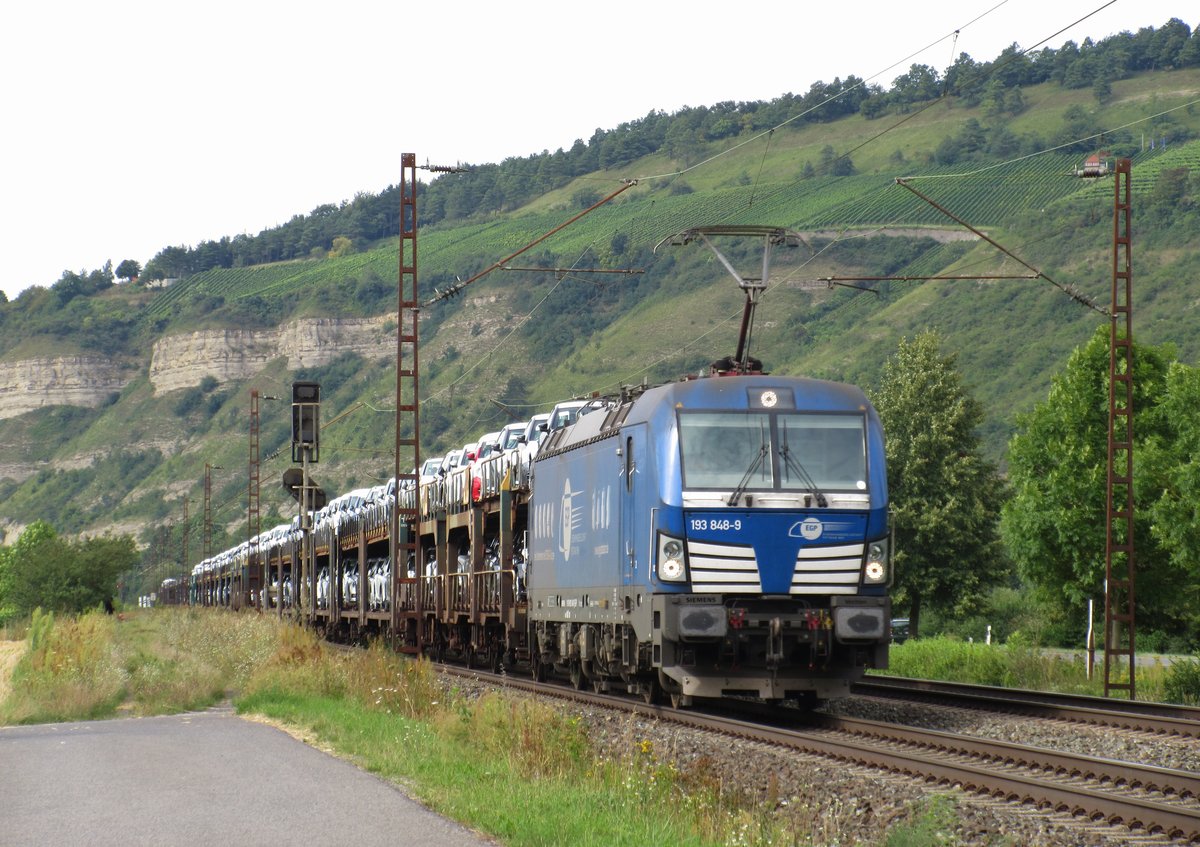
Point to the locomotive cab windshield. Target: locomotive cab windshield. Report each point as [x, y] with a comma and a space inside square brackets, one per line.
[784, 451]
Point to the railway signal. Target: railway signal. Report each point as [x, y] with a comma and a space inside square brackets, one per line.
[306, 420]
[293, 484]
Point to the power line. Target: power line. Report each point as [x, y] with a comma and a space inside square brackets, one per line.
[1056, 148]
[1069, 290]
[826, 101]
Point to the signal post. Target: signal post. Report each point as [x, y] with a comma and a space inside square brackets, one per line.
[306, 428]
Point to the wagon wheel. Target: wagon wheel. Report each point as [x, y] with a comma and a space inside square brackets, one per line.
[577, 678]
[651, 692]
[495, 658]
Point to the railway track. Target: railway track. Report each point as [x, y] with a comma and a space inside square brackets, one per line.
[1159, 718]
[1145, 799]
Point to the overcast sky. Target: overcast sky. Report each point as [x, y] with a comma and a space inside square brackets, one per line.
[130, 126]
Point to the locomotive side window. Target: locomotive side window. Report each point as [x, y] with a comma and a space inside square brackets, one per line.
[787, 451]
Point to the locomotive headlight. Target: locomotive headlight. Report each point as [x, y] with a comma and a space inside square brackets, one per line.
[876, 570]
[671, 559]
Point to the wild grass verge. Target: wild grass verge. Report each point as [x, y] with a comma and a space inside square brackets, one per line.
[516, 768]
[523, 771]
[148, 662]
[1019, 665]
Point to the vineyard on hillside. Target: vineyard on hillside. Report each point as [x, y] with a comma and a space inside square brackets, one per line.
[984, 197]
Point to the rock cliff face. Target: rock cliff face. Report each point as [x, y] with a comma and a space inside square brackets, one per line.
[85, 380]
[182, 361]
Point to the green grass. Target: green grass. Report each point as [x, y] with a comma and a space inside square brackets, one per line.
[506, 795]
[142, 663]
[524, 771]
[1020, 665]
[519, 769]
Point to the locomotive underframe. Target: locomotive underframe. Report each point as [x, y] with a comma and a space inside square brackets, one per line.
[768, 647]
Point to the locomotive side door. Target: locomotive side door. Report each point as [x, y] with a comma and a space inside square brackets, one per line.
[635, 479]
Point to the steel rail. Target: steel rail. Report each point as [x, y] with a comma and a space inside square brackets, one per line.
[1161, 718]
[1185, 784]
[1136, 813]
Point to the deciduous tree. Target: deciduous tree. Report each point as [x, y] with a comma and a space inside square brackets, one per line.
[44, 569]
[129, 270]
[1054, 525]
[945, 496]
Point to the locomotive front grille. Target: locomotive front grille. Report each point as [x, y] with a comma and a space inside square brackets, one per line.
[727, 568]
[733, 569]
[828, 570]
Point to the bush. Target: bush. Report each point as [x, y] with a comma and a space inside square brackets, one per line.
[1182, 683]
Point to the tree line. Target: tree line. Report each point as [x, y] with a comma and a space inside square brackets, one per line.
[964, 534]
[683, 135]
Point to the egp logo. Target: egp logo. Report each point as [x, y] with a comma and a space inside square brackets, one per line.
[809, 529]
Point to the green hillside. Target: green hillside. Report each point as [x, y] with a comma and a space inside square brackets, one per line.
[527, 339]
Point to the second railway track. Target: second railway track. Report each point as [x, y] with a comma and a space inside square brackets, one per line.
[1132, 798]
[1159, 718]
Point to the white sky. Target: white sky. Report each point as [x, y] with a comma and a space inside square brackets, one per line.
[129, 126]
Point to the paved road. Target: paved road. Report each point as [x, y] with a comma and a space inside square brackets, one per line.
[197, 779]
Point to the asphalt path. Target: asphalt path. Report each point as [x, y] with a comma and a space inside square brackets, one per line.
[197, 779]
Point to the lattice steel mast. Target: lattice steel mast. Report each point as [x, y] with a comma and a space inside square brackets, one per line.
[408, 417]
[1119, 560]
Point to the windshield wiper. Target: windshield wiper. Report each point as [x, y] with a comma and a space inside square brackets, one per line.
[793, 464]
[755, 465]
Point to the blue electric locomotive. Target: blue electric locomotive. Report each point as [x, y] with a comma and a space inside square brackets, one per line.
[715, 537]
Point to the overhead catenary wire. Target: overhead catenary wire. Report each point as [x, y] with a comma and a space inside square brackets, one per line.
[953, 36]
[767, 132]
[990, 72]
[453, 290]
[486, 356]
[1070, 291]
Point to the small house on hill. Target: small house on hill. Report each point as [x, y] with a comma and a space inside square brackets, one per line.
[1095, 165]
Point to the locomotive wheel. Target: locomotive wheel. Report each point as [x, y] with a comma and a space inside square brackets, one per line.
[494, 658]
[537, 668]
